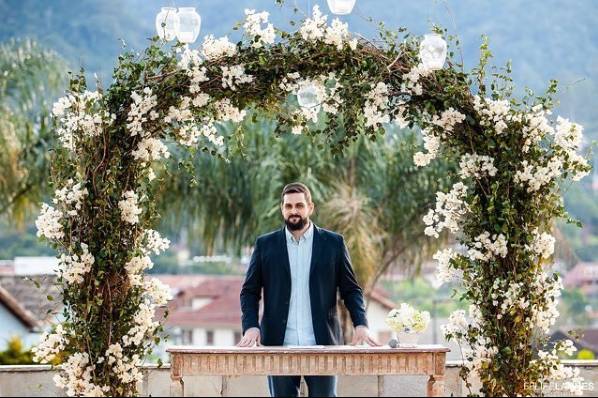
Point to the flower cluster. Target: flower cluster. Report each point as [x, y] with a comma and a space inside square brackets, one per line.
[431, 145]
[375, 109]
[153, 242]
[150, 149]
[48, 223]
[450, 208]
[71, 196]
[486, 247]
[447, 120]
[534, 177]
[549, 364]
[74, 267]
[411, 80]
[143, 325]
[126, 369]
[545, 313]
[493, 113]
[135, 268]
[129, 209]
[445, 272]
[253, 28]
[535, 128]
[407, 319]
[217, 48]
[473, 165]
[316, 28]
[226, 111]
[234, 75]
[542, 244]
[567, 139]
[80, 115]
[157, 292]
[76, 377]
[141, 109]
[50, 345]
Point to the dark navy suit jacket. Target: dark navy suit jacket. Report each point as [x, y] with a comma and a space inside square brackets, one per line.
[330, 271]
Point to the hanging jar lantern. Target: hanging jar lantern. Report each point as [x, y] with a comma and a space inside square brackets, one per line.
[167, 23]
[341, 7]
[432, 51]
[189, 25]
[307, 96]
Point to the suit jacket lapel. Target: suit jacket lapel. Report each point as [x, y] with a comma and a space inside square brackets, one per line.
[284, 253]
[315, 251]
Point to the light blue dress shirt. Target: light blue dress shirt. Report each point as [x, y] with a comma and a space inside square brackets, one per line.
[300, 329]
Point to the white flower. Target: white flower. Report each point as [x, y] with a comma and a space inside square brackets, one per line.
[135, 268]
[153, 242]
[74, 267]
[144, 325]
[407, 319]
[216, 48]
[337, 34]
[411, 84]
[568, 135]
[457, 326]
[140, 111]
[432, 145]
[80, 115]
[226, 111]
[71, 196]
[128, 207]
[157, 292]
[444, 271]
[126, 369]
[542, 244]
[150, 149]
[450, 208]
[50, 345]
[535, 177]
[234, 75]
[376, 106]
[486, 247]
[314, 28]
[493, 113]
[76, 377]
[253, 28]
[473, 165]
[447, 120]
[48, 223]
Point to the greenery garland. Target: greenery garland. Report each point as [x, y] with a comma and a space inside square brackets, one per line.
[512, 159]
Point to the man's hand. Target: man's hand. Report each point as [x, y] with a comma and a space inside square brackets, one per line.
[361, 335]
[251, 338]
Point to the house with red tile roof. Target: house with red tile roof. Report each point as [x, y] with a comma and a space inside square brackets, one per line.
[207, 312]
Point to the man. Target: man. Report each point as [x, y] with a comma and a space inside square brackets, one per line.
[300, 268]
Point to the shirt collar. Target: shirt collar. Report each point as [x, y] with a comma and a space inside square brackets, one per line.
[306, 235]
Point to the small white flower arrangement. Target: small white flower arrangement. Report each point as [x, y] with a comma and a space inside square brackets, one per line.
[407, 319]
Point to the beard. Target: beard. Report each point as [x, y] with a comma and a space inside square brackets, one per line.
[296, 223]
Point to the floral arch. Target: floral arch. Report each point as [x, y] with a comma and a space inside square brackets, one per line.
[512, 158]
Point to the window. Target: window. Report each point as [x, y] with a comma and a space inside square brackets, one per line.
[210, 337]
[187, 336]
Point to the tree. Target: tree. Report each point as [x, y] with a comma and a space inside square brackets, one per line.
[31, 76]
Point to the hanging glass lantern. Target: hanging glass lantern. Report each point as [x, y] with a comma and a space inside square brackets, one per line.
[167, 23]
[189, 25]
[432, 51]
[307, 96]
[341, 7]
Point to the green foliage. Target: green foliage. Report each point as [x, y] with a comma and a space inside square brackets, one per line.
[585, 354]
[15, 353]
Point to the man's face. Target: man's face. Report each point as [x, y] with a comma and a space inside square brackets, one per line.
[296, 211]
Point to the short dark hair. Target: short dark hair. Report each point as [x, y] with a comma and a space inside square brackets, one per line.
[296, 187]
